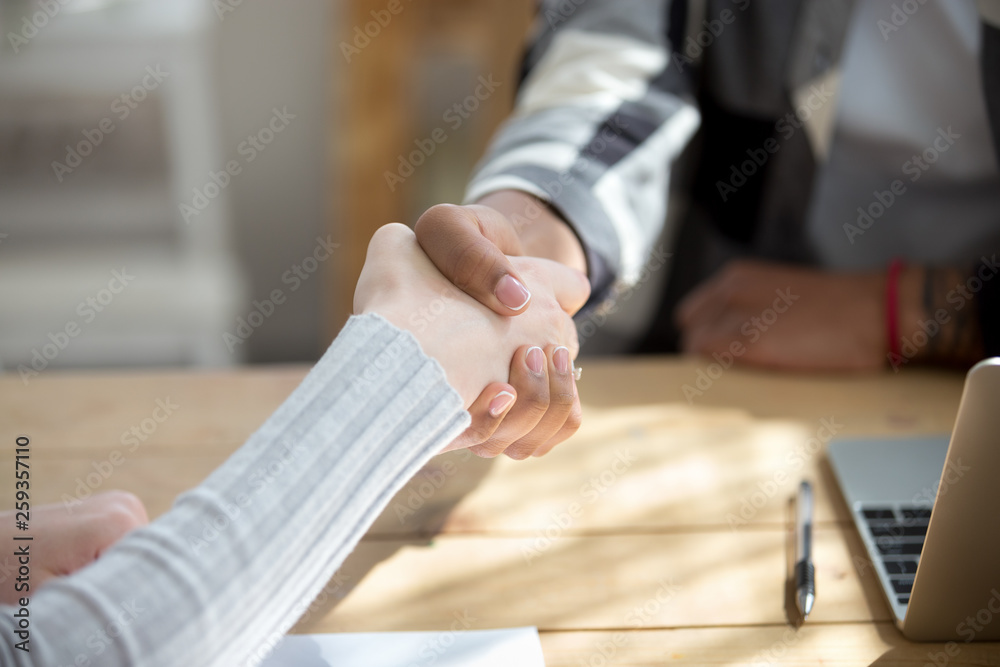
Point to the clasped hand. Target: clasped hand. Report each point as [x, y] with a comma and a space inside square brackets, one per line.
[514, 370]
[512, 367]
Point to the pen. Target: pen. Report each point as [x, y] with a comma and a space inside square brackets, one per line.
[805, 579]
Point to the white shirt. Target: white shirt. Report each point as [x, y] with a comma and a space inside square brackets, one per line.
[911, 109]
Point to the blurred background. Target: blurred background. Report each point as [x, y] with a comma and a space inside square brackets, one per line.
[194, 182]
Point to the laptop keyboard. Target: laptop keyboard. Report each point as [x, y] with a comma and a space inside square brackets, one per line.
[898, 535]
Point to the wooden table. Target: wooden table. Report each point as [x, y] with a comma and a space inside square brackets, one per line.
[658, 535]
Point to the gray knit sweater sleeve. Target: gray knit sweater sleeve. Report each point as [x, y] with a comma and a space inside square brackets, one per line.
[237, 559]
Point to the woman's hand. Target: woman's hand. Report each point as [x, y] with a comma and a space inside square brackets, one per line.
[528, 356]
[69, 538]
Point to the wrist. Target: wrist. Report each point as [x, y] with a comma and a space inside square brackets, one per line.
[541, 231]
[431, 336]
[940, 324]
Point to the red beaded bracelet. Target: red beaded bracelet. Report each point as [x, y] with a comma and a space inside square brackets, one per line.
[892, 306]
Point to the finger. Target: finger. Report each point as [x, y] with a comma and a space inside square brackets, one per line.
[469, 244]
[562, 394]
[103, 520]
[729, 286]
[716, 335]
[694, 340]
[529, 377]
[571, 426]
[127, 504]
[487, 413]
[118, 514]
[699, 304]
[570, 287]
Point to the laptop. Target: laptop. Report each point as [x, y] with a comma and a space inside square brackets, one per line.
[928, 512]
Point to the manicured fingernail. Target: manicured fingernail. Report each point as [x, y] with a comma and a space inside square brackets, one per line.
[500, 403]
[512, 293]
[535, 359]
[561, 359]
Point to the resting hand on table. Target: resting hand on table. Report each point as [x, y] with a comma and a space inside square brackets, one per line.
[478, 348]
[67, 539]
[787, 317]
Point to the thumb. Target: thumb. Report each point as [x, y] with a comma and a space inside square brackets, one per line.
[468, 245]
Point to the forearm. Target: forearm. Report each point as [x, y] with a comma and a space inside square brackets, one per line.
[238, 559]
[600, 117]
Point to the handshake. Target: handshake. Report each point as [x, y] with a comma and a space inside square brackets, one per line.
[500, 325]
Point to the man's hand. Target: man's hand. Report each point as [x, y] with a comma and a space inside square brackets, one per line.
[473, 246]
[66, 540]
[479, 349]
[790, 318]
[470, 245]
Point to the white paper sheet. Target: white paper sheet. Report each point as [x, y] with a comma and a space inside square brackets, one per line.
[464, 648]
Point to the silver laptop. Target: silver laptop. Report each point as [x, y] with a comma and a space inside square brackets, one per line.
[928, 511]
